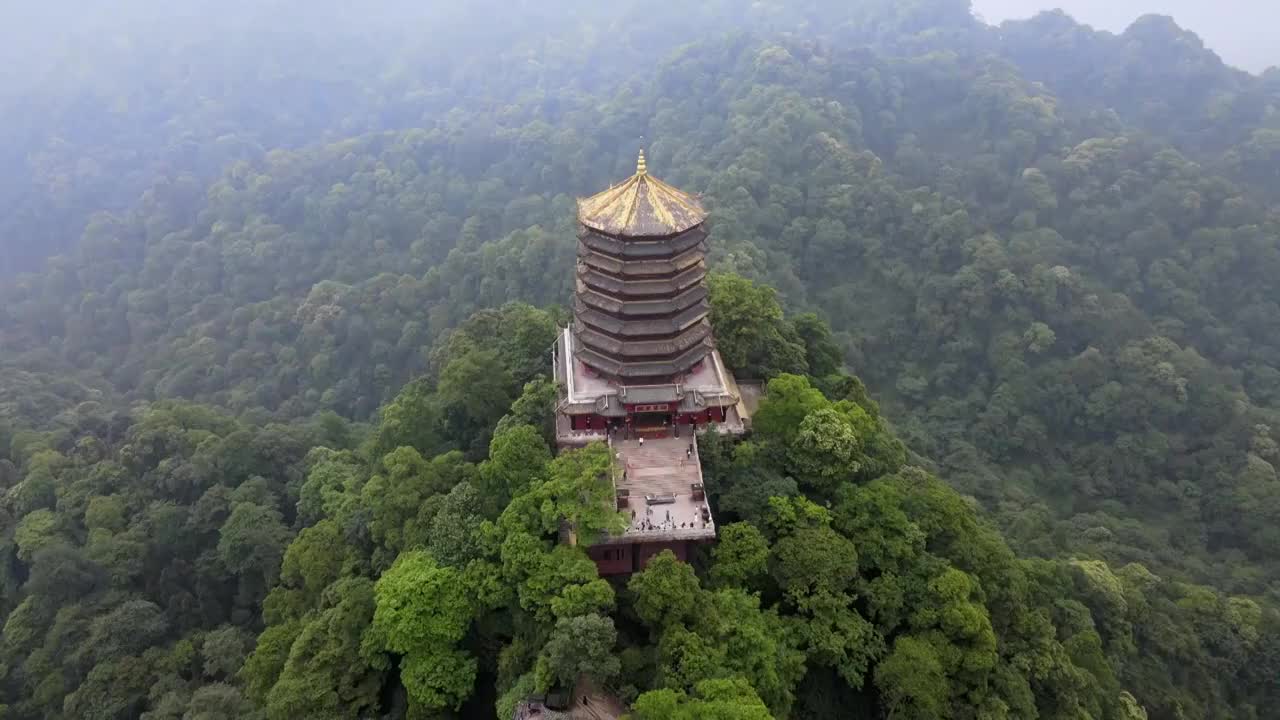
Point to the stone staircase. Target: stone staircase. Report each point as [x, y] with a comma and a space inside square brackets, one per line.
[660, 466]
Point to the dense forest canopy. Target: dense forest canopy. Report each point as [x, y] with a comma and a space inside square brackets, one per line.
[277, 289]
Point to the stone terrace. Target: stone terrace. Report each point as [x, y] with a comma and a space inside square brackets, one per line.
[659, 477]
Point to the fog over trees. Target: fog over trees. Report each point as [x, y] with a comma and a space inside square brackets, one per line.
[278, 282]
[1241, 31]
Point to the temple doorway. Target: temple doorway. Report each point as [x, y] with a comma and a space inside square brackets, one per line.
[651, 421]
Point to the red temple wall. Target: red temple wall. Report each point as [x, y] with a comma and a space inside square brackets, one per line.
[646, 551]
[612, 559]
[623, 559]
[598, 422]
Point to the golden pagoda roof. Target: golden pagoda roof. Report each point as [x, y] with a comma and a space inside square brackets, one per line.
[642, 206]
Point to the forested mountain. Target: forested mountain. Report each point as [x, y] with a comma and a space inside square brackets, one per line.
[292, 276]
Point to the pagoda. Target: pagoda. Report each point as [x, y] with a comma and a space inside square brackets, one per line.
[637, 367]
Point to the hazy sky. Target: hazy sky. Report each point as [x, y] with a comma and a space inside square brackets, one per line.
[1242, 32]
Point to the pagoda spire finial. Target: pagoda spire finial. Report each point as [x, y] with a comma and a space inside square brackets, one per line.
[641, 169]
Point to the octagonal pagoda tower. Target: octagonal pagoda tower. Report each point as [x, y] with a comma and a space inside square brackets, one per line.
[640, 306]
[640, 354]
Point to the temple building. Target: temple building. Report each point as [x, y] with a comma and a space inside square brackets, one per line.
[637, 367]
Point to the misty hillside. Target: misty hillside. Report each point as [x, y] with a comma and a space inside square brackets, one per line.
[277, 288]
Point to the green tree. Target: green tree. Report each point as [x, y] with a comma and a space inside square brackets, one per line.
[579, 646]
[741, 556]
[518, 457]
[331, 668]
[224, 651]
[788, 401]
[912, 680]
[822, 356]
[728, 699]
[475, 391]
[666, 591]
[753, 337]
[577, 493]
[314, 559]
[536, 406]
[423, 611]
[35, 531]
[253, 539]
